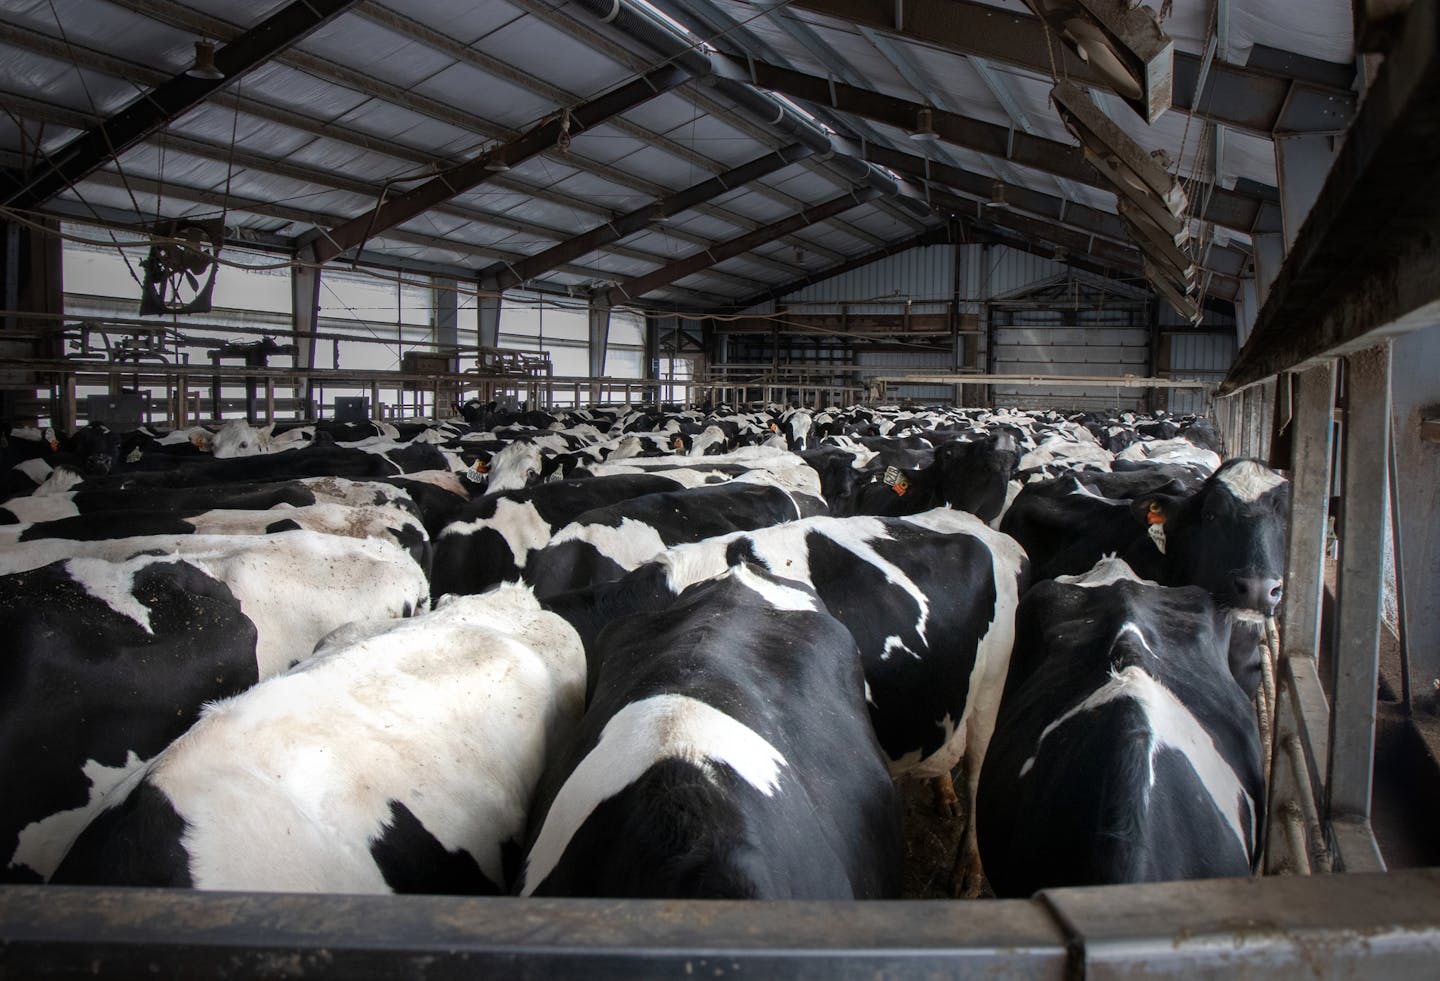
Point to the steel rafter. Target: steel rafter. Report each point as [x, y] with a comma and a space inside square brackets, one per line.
[403, 207]
[153, 110]
[1228, 208]
[506, 276]
[177, 15]
[29, 109]
[691, 264]
[1243, 98]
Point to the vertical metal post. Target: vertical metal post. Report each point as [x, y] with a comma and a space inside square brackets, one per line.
[599, 340]
[487, 311]
[305, 316]
[1361, 574]
[1309, 503]
[1416, 399]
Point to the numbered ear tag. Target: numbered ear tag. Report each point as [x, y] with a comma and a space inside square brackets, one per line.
[900, 487]
[892, 476]
[134, 456]
[476, 472]
[1157, 535]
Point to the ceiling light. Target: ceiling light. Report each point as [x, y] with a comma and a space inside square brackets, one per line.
[924, 127]
[205, 66]
[997, 195]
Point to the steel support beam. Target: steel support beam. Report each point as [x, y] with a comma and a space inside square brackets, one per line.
[487, 311]
[409, 204]
[304, 315]
[640, 285]
[634, 221]
[445, 318]
[1301, 163]
[1366, 264]
[599, 315]
[1360, 582]
[1242, 98]
[1228, 208]
[153, 110]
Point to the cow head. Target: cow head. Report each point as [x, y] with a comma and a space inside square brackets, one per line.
[517, 466]
[1228, 537]
[238, 438]
[976, 475]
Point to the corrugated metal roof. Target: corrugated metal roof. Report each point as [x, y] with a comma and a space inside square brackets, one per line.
[381, 94]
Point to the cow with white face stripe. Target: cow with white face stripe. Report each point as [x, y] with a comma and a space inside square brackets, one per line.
[726, 753]
[1228, 538]
[1125, 749]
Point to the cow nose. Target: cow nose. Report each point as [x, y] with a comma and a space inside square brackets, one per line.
[1257, 593]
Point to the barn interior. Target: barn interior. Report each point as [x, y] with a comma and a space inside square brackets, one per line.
[295, 211]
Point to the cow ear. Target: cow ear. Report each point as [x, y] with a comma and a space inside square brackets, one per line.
[267, 431]
[1155, 509]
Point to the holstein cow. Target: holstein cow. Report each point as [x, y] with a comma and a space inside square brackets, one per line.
[1229, 537]
[402, 758]
[105, 664]
[605, 543]
[726, 753]
[490, 539]
[294, 586]
[930, 600]
[966, 476]
[1125, 750]
[383, 523]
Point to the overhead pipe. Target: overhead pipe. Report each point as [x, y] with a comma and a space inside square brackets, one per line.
[831, 154]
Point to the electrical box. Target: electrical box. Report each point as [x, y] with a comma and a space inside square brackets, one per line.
[352, 408]
[122, 413]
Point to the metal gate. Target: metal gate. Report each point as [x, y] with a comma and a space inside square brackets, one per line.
[1096, 343]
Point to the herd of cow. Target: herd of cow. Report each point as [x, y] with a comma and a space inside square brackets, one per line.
[627, 652]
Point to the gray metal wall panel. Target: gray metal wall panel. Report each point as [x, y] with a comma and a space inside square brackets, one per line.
[919, 274]
[1012, 271]
[1206, 357]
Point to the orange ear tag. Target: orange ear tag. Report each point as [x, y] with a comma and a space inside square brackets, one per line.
[1156, 515]
[677, 443]
[900, 487]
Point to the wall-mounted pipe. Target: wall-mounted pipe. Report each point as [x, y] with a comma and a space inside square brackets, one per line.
[832, 153]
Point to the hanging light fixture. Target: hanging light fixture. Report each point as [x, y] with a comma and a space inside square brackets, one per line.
[924, 127]
[205, 66]
[997, 195]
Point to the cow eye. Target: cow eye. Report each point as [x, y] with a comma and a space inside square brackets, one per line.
[1209, 515]
[244, 446]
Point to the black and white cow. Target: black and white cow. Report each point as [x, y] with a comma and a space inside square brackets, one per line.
[401, 758]
[489, 540]
[930, 600]
[969, 476]
[726, 753]
[604, 544]
[1125, 749]
[105, 663]
[294, 586]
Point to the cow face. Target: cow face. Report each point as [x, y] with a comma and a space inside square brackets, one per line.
[975, 475]
[238, 438]
[1228, 537]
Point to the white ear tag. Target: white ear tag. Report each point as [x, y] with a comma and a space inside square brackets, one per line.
[1157, 535]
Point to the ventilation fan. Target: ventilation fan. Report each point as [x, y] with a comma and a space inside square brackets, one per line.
[180, 267]
[1123, 45]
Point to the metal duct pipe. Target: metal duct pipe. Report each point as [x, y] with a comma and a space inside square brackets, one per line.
[753, 103]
